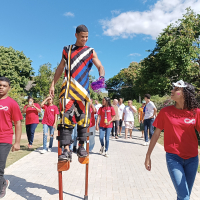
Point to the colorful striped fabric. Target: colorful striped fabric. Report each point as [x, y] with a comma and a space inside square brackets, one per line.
[76, 80]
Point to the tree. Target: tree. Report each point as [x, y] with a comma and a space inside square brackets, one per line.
[174, 57]
[43, 81]
[15, 66]
[123, 84]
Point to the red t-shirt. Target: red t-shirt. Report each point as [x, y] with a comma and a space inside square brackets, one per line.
[179, 131]
[49, 114]
[9, 111]
[110, 112]
[92, 119]
[32, 114]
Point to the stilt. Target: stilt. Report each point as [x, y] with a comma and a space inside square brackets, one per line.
[62, 166]
[86, 161]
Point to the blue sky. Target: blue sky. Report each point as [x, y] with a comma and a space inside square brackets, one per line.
[119, 31]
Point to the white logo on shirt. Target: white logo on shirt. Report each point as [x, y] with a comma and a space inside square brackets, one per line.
[52, 109]
[3, 108]
[189, 121]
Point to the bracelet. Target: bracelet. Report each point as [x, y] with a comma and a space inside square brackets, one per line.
[101, 76]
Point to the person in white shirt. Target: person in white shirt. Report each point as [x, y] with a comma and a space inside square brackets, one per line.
[121, 107]
[97, 105]
[128, 118]
[150, 113]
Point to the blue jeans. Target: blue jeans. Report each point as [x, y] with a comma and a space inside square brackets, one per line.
[148, 124]
[45, 133]
[106, 132]
[183, 173]
[92, 138]
[30, 131]
[74, 136]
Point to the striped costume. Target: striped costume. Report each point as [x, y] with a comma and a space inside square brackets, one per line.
[74, 96]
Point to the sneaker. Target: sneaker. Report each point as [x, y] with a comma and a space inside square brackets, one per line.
[106, 154]
[49, 149]
[81, 152]
[66, 155]
[146, 144]
[116, 137]
[101, 150]
[4, 188]
[43, 151]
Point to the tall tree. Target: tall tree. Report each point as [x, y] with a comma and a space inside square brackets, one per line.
[43, 81]
[175, 57]
[123, 84]
[15, 66]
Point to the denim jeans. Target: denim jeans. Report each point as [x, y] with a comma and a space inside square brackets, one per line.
[30, 131]
[74, 136]
[148, 124]
[106, 132]
[4, 151]
[45, 133]
[182, 173]
[92, 138]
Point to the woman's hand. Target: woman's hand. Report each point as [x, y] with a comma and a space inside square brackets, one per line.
[108, 123]
[54, 126]
[97, 127]
[148, 163]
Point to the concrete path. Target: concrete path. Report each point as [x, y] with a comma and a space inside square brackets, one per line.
[121, 176]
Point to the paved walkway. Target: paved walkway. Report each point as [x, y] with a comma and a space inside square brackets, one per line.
[121, 176]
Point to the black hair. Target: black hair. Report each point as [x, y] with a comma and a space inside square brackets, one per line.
[3, 78]
[30, 97]
[148, 96]
[189, 94]
[108, 101]
[81, 28]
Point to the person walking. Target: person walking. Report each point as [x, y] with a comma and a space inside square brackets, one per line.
[9, 113]
[141, 117]
[116, 119]
[128, 118]
[49, 122]
[32, 119]
[107, 115]
[121, 107]
[150, 113]
[179, 123]
[77, 60]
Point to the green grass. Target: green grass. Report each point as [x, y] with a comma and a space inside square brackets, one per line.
[24, 150]
[37, 130]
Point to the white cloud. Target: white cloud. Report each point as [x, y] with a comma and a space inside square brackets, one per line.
[134, 54]
[115, 12]
[40, 56]
[150, 22]
[69, 14]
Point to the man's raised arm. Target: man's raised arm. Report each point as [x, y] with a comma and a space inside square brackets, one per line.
[98, 64]
[57, 75]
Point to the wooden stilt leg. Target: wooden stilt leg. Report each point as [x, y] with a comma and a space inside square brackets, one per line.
[87, 168]
[60, 183]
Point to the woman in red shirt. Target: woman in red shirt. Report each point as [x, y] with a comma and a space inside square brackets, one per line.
[32, 119]
[49, 122]
[107, 114]
[180, 141]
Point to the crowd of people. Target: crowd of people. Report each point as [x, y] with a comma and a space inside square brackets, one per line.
[179, 121]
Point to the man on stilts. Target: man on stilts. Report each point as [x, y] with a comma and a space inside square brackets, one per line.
[77, 60]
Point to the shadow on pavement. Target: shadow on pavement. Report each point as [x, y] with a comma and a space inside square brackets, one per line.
[19, 186]
[128, 142]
